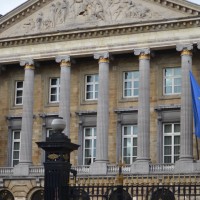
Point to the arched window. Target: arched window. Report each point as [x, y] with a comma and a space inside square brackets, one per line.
[6, 195]
[38, 195]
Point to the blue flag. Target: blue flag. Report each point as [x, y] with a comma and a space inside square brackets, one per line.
[195, 90]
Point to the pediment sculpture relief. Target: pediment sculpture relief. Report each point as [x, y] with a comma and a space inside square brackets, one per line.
[76, 12]
[73, 14]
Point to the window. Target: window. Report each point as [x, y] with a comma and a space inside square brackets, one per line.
[172, 81]
[130, 84]
[54, 90]
[91, 87]
[129, 143]
[171, 142]
[89, 153]
[18, 92]
[15, 147]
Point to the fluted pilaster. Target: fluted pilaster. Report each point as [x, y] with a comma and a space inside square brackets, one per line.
[65, 85]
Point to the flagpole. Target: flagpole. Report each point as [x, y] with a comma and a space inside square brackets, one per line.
[197, 147]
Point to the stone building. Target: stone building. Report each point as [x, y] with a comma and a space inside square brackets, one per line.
[117, 71]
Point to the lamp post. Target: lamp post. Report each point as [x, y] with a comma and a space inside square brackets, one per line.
[57, 162]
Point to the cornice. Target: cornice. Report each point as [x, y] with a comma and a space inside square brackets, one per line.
[132, 28]
[179, 5]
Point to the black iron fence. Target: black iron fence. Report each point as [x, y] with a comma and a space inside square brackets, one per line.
[134, 192]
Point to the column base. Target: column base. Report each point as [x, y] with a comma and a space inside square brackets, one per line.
[21, 169]
[98, 168]
[185, 166]
[140, 167]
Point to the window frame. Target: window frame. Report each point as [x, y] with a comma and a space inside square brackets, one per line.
[173, 77]
[16, 91]
[172, 134]
[94, 83]
[132, 80]
[13, 142]
[93, 148]
[57, 88]
[132, 136]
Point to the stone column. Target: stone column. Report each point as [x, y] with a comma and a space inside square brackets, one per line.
[27, 119]
[100, 164]
[143, 146]
[186, 149]
[64, 104]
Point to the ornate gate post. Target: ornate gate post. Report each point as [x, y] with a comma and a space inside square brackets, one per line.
[57, 162]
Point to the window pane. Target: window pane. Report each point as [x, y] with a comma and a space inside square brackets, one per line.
[167, 159]
[176, 139]
[177, 71]
[168, 140]
[88, 143]
[53, 98]
[127, 130]
[54, 81]
[16, 135]
[16, 146]
[88, 132]
[88, 152]
[128, 85]
[177, 128]
[177, 150]
[168, 72]
[127, 75]
[127, 142]
[167, 128]
[16, 155]
[15, 162]
[19, 84]
[134, 141]
[89, 79]
[134, 151]
[127, 160]
[167, 150]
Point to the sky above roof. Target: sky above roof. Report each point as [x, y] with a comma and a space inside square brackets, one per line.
[7, 6]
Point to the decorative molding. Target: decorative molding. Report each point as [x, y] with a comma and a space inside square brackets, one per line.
[101, 32]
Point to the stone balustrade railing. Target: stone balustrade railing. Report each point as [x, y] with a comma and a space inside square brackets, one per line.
[161, 168]
[84, 169]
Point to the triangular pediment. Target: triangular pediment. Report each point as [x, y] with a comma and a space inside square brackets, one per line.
[64, 15]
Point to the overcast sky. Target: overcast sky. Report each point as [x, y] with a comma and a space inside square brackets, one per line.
[8, 5]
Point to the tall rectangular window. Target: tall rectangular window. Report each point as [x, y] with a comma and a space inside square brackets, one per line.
[172, 81]
[19, 93]
[89, 152]
[15, 147]
[129, 143]
[91, 87]
[130, 84]
[171, 142]
[54, 90]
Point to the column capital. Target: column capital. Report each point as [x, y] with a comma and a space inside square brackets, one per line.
[103, 57]
[142, 53]
[64, 60]
[186, 49]
[28, 63]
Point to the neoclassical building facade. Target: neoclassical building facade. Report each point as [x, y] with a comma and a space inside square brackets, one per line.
[116, 71]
